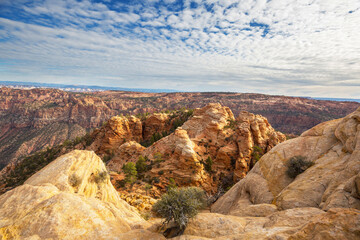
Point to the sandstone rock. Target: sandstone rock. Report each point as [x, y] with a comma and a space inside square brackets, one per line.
[34, 125]
[117, 131]
[331, 182]
[127, 152]
[141, 234]
[337, 223]
[71, 198]
[212, 132]
[156, 123]
[212, 225]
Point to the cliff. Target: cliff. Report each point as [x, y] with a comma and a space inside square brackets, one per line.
[211, 149]
[32, 120]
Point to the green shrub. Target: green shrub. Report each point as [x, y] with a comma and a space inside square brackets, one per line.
[180, 205]
[297, 165]
[256, 154]
[130, 172]
[141, 165]
[101, 177]
[107, 157]
[172, 183]
[208, 164]
[74, 180]
[158, 158]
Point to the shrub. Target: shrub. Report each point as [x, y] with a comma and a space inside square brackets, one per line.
[74, 180]
[180, 205]
[158, 158]
[256, 154]
[161, 172]
[172, 183]
[130, 172]
[101, 177]
[297, 165]
[208, 164]
[141, 165]
[107, 158]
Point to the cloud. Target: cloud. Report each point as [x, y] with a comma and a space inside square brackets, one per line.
[308, 47]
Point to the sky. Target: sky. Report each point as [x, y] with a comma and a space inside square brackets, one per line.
[282, 47]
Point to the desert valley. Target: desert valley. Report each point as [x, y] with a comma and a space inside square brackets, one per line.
[93, 166]
[179, 119]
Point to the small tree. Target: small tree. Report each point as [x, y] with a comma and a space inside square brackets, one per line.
[208, 164]
[130, 172]
[297, 165]
[180, 205]
[141, 165]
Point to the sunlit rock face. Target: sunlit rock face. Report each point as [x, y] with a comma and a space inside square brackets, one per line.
[211, 132]
[71, 198]
[333, 148]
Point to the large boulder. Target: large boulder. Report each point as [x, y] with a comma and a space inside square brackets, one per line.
[333, 181]
[71, 198]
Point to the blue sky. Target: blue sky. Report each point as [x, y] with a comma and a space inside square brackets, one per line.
[288, 47]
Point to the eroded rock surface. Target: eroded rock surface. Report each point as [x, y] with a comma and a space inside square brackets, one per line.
[332, 182]
[211, 134]
[71, 198]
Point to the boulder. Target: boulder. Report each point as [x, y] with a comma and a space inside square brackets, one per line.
[71, 198]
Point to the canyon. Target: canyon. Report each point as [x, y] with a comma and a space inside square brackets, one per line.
[35, 119]
[321, 202]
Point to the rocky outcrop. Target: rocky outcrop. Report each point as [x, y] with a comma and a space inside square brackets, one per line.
[71, 198]
[332, 181]
[34, 119]
[212, 149]
[117, 131]
[298, 223]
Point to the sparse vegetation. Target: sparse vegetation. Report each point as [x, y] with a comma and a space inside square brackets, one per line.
[231, 124]
[179, 205]
[74, 180]
[130, 172]
[147, 188]
[141, 166]
[176, 119]
[208, 164]
[256, 154]
[172, 183]
[101, 177]
[297, 165]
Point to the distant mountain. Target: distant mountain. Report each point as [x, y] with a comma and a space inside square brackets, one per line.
[78, 88]
[339, 99]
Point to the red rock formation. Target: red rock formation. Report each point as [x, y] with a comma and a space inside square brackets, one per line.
[210, 135]
[31, 120]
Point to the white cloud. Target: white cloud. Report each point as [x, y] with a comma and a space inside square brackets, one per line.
[309, 47]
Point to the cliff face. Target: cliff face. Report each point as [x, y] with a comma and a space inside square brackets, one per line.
[31, 120]
[305, 207]
[333, 149]
[208, 150]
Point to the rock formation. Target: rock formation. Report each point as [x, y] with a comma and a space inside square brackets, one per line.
[273, 205]
[71, 198]
[332, 181]
[208, 150]
[32, 120]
